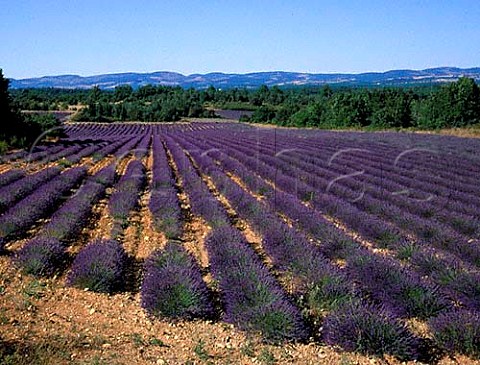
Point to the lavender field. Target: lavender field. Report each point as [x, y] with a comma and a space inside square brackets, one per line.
[366, 242]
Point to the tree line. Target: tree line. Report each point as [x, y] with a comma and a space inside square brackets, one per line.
[146, 104]
[17, 129]
[456, 104]
[451, 105]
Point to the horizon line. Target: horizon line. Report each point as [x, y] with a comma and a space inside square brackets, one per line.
[238, 73]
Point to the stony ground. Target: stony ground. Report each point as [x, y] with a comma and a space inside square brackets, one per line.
[45, 322]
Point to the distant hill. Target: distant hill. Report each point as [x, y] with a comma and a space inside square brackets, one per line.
[250, 80]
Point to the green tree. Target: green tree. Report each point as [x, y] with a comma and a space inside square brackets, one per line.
[309, 116]
[94, 107]
[390, 108]
[346, 109]
[13, 129]
[454, 105]
[122, 92]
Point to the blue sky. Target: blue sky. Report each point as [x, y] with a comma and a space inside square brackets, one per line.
[87, 37]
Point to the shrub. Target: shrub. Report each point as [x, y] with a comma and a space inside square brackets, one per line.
[125, 198]
[11, 176]
[166, 212]
[173, 285]
[457, 331]
[11, 193]
[41, 257]
[253, 299]
[369, 330]
[40, 203]
[391, 284]
[329, 292]
[100, 267]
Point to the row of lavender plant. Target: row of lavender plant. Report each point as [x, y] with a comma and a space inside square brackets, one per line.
[164, 204]
[126, 195]
[110, 148]
[288, 250]
[10, 194]
[370, 226]
[437, 265]
[387, 274]
[45, 254]
[11, 176]
[172, 285]
[71, 217]
[63, 152]
[70, 155]
[359, 158]
[141, 150]
[430, 160]
[464, 219]
[40, 203]
[252, 298]
[127, 147]
[85, 152]
[37, 153]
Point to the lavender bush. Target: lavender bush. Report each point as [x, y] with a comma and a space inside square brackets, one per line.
[253, 299]
[369, 330]
[100, 267]
[458, 331]
[173, 286]
[40, 203]
[126, 196]
[11, 176]
[11, 193]
[41, 257]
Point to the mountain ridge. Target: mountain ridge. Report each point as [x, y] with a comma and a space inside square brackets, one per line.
[250, 80]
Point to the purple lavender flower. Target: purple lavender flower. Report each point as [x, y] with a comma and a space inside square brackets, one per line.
[100, 266]
[458, 331]
[370, 330]
[10, 194]
[11, 176]
[173, 286]
[40, 203]
[253, 299]
[41, 257]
